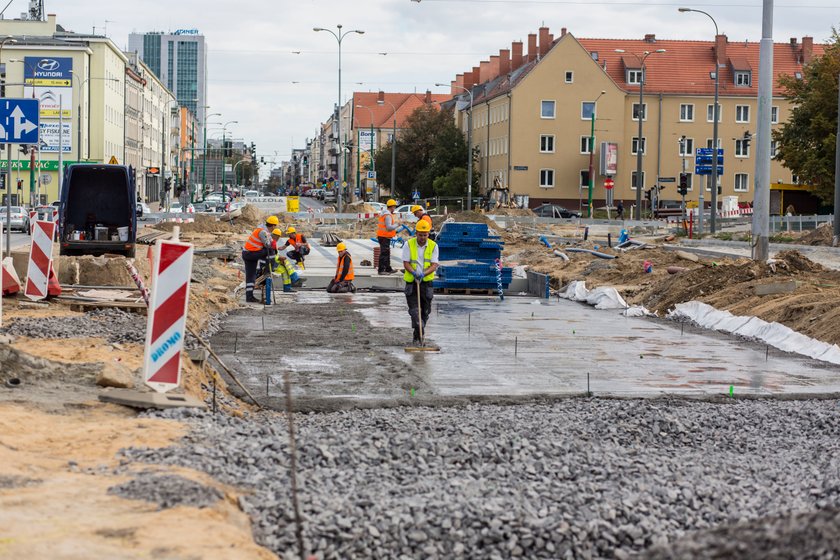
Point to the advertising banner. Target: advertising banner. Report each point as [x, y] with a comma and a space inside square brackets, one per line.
[51, 81]
[609, 158]
[367, 139]
[49, 137]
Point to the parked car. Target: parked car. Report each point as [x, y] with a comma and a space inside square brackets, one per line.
[178, 207]
[555, 211]
[19, 218]
[317, 194]
[201, 207]
[98, 210]
[252, 194]
[380, 206]
[330, 196]
[405, 214]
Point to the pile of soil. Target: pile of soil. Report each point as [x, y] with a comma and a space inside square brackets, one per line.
[203, 224]
[251, 215]
[360, 208]
[823, 235]
[512, 212]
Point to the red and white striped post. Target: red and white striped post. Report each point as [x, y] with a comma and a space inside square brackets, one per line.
[165, 330]
[40, 260]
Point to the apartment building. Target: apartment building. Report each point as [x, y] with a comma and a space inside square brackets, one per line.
[533, 115]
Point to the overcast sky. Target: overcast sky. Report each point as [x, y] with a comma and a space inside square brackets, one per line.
[252, 64]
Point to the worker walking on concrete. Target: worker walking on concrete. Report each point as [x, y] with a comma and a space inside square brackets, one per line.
[420, 259]
[385, 232]
[343, 281]
[300, 246]
[257, 248]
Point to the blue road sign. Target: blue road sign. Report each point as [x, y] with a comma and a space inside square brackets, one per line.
[415, 195]
[19, 122]
[708, 151]
[706, 169]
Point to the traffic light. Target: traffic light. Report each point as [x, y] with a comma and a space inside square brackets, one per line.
[647, 194]
[228, 149]
[683, 188]
[747, 140]
[720, 190]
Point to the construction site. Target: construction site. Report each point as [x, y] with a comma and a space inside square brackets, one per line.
[587, 389]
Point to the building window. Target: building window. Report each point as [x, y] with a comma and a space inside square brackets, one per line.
[585, 145]
[633, 181]
[708, 189]
[774, 148]
[636, 111]
[742, 79]
[710, 110]
[547, 109]
[587, 110]
[774, 115]
[634, 147]
[546, 178]
[687, 112]
[570, 77]
[742, 148]
[742, 113]
[547, 143]
[584, 179]
[794, 179]
[634, 77]
[742, 182]
[686, 147]
[709, 143]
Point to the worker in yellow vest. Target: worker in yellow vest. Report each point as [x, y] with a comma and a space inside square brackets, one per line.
[420, 259]
[385, 232]
[343, 280]
[257, 247]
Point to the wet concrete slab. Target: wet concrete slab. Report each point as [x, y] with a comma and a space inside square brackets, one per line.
[349, 348]
[321, 263]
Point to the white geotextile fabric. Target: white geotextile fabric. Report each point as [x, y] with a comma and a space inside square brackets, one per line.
[774, 334]
[601, 298]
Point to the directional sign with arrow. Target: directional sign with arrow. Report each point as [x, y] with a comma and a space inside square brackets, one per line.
[19, 121]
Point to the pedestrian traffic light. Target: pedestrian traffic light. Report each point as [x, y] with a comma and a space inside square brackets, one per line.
[683, 188]
[720, 190]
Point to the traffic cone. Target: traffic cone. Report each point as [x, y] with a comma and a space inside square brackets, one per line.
[53, 287]
[11, 282]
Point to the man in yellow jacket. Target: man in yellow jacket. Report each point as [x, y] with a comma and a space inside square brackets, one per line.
[420, 260]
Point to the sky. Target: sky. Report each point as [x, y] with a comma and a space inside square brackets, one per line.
[278, 78]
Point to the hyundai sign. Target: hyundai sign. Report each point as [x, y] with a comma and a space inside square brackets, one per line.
[48, 71]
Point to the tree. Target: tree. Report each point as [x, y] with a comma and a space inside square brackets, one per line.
[807, 140]
[430, 147]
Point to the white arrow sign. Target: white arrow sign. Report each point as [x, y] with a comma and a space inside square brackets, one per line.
[22, 126]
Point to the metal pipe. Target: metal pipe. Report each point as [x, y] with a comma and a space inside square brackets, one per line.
[761, 205]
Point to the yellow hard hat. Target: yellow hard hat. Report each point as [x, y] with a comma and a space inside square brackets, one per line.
[341, 247]
[272, 220]
[278, 232]
[391, 202]
[291, 230]
[415, 208]
[423, 227]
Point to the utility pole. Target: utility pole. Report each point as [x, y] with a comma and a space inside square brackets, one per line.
[761, 203]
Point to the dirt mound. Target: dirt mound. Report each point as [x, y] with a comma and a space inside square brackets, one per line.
[360, 207]
[823, 235]
[512, 212]
[795, 262]
[251, 215]
[202, 224]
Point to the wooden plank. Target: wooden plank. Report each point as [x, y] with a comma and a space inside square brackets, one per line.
[84, 306]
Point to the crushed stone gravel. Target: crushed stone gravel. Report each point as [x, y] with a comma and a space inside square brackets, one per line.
[167, 490]
[111, 324]
[582, 478]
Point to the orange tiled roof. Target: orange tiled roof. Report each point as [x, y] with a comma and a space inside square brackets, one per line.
[685, 66]
[383, 115]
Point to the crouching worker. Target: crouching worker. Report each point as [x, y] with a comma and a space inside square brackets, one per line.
[300, 246]
[283, 268]
[256, 249]
[420, 259]
[343, 281]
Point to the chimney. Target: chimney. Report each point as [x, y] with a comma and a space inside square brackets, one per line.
[807, 49]
[532, 47]
[468, 80]
[720, 49]
[550, 40]
[477, 77]
[793, 41]
[516, 55]
[544, 41]
[486, 75]
[428, 99]
[562, 31]
[494, 67]
[459, 80]
[504, 62]
[650, 38]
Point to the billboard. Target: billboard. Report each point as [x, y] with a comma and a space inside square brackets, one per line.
[609, 158]
[50, 79]
[367, 139]
[49, 137]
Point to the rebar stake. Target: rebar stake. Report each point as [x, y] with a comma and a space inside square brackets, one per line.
[767, 353]
[214, 393]
[293, 466]
[515, 346]
[682, 329]
[235, 341]
[469, 322]
[588, 392]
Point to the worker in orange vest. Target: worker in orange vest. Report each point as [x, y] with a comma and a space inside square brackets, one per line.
[385, 232]
[343, 281]
[257, 248]
[300, 246]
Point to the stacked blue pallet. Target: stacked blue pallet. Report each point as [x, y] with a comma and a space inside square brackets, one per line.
[468, 254]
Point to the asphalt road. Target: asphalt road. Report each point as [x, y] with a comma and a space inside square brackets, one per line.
[17, 239]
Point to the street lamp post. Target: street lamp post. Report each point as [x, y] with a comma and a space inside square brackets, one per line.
[359, 149]
[204, 157]
[8, 173]
[381, 101]
[224, 165]
[642, 113]
[469, 145]
[79, 116]
[339, 36]
[592, 152]
[716, 116]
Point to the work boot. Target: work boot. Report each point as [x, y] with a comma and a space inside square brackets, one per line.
[251, 299]
[287, 288]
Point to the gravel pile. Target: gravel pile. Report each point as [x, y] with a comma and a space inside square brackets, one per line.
[571, 479]
[167, 491]
[111, 324]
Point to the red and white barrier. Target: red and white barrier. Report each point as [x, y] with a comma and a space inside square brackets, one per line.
[368, 215]
[171, 271]
[40, 260]
[11, 282]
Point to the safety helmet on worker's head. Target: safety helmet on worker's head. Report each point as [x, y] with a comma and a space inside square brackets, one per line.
[291, 230]
[341, 247]
[391, 202]
[277, 231]
[415, 208]
[272, 220]
[423, 227]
